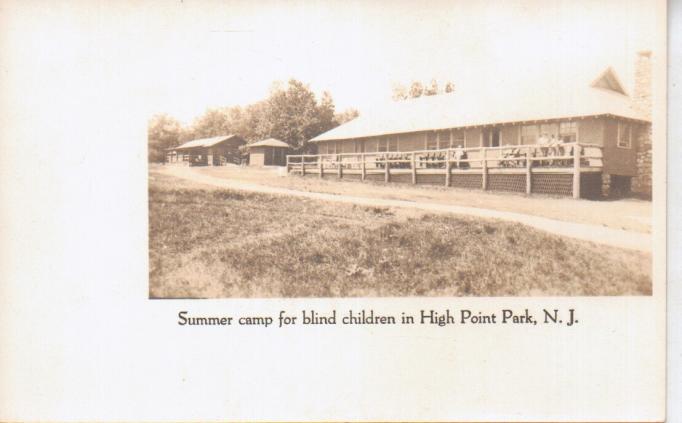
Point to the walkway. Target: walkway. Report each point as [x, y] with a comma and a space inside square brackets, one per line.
[597, 234]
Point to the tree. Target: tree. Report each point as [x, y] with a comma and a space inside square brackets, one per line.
[399, 92]
[291, 113]
[212, 123]
[163, 131]
[346, 116]
[416, 89]
[432, 89]
[294, 115]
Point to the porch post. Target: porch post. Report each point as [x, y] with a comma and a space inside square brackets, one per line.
[529, 171]
[339, 169]
[447, 168]
[576, 171]
[363, 171]
[319, 161]
[302, 165]
[414, 169]
[387, 176]
[484, 162]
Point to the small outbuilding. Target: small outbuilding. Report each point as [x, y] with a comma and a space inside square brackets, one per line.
[216, 151]
[269, 152]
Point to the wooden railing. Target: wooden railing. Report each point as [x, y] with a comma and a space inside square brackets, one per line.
[573, 158]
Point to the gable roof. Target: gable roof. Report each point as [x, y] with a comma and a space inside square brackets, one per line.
[270, 142]
[205, 142]
[494, 103]
[608, 80]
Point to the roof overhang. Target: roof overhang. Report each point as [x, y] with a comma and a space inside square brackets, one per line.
[485, 125]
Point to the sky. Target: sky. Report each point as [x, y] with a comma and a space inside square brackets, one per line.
[209, 54]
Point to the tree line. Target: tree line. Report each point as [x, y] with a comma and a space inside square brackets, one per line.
[290, 113]
[417, 89]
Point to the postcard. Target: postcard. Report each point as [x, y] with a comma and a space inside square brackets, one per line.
[334, 211]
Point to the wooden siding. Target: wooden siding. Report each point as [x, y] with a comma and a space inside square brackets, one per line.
[266, 156]
[257, 156]
[619, 160]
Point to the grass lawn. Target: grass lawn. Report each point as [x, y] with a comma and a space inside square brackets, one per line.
[207, 242]
[628, 214]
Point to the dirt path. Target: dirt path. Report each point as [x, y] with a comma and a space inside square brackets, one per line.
[598, 234]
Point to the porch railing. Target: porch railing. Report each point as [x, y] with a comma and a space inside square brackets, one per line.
[571, 158]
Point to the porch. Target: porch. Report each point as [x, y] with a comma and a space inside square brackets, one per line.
[568, 169]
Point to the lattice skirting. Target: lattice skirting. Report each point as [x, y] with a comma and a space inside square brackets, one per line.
[377, 177]
[352, 176]
[507, 182]
[541, 183]
[469, 181]
[552, 183]
[404, 178]
[431, 179]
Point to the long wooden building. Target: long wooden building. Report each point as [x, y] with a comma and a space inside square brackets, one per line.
[582, 138]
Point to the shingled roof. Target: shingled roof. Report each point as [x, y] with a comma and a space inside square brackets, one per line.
[205, 142]
[270, 142]
[493, 103]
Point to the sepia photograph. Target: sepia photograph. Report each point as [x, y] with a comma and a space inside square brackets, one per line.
[334, 150]
[338, 211]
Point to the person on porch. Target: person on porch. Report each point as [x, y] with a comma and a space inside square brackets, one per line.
[460, 154]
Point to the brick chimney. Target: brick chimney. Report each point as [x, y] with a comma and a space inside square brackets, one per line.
[641, 96]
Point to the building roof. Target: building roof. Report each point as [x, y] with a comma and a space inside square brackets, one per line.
[205, 142]
[496, 102]
[270, 142]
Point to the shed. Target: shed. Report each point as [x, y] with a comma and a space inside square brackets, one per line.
[269, 152]
[215, 151]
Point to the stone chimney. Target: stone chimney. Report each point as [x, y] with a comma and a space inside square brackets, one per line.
[641, 95]
[641, 101]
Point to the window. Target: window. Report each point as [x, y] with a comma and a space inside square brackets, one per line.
[568, 131]
[529, 134]
[370, 145]
[551, 129]
[457, 139]
[393, 143]
[431, 141]
[444, 139]
[624, 135]
[495, 138]
[383, 144]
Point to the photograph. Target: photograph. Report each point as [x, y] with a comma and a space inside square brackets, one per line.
[339, 210]
[318, 149]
